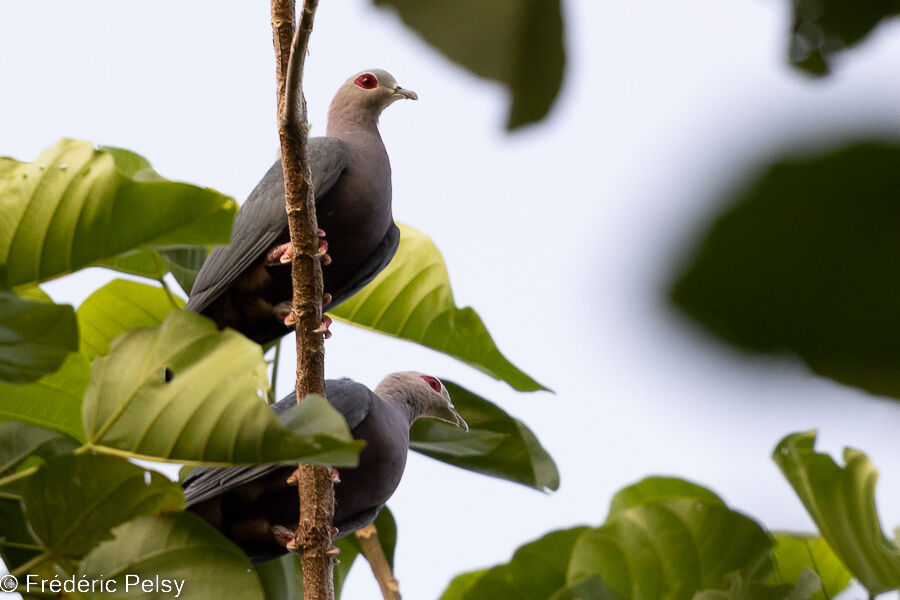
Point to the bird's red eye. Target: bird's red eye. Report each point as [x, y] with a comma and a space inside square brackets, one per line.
[367, 81]
[433, 382]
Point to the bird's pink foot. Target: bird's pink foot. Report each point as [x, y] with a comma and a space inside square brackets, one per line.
[279, 255]
[323, 328]
[335, 476]
[285, 537]
[322, 254]
[284, 311]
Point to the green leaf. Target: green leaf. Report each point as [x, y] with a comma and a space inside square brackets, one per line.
[842, 503]
[518, 43]
[183, 262]
[793, 553]
[411, 299]
[117, 307]
[281, 579]
[742, 589]
[670, 548]
[19, 441]
[181, 547]
[386, 527]
[652, 489]
[15, 535]
[212, 409]
[589, 588]
[73, 502]
[537, 571]
[806, 261]
[823, 28]
[76, 206]
[496, 444]
[53, 401]
[35, 337]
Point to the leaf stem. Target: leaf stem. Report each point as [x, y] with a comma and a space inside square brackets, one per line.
[17, 476]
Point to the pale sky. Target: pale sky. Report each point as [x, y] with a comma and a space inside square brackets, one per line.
[560, 236]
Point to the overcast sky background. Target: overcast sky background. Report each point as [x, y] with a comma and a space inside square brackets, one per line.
[562, 236]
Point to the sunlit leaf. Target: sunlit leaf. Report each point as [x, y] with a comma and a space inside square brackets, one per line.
[73, 502]
[795, 552]
[411, 299]
[186, 392]
[179, 547]
[536, 572]
[53, 401]
[516, 42]
[35, 337]
[842, 503]
[806, 262]
[652, 489]
[117, 307]
[670, 548]
[75, 206]
[496, 444]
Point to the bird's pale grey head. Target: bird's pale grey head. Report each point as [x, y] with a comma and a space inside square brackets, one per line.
[426, 396]
[367, 93]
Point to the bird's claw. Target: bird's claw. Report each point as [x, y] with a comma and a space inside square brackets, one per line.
[280, 255]
[294, 479]
[322, 253]
[285, 537]
[323, 328]
[335, 475]
[334, 551]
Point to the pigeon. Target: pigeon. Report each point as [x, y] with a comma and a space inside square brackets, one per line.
[256, 506]
[247, 284]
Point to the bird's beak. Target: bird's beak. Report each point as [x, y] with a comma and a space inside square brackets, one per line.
[399, 92]
[448, 414]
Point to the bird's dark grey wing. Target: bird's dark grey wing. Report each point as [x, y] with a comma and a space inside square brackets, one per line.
[261, 221]
[377, 261]
[357, 521]
[353, 400]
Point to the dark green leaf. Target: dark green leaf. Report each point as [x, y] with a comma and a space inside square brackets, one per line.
[15, 535]
[35, 337]
[670, 548]
[652, 489]
[536, 572]
[76, 205]
[178, 546]
[807, 262]
[516, 42]
[19, 440]
[73, 502]
[184, 263]
[211, 410]
[411, 299]
[496, 443]
[53, 401]
[741, 589]
[280, 580]
[823, 28]
[795, 552]
[117, 307]
[589, 588]
[386, 527]
[842, 503]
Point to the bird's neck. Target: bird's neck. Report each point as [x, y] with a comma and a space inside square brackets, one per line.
[351, 121]
[406, 400]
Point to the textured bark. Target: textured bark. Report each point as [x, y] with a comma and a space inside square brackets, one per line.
[314, 533]
[374, 553]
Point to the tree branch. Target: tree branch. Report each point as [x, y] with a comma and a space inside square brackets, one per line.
[374, 553]
[316, 490]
